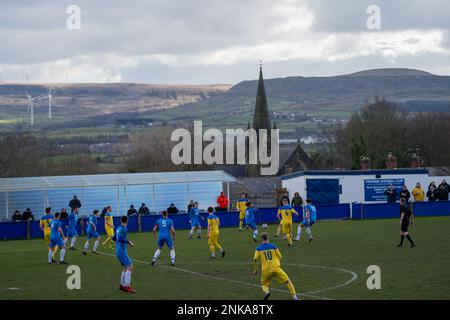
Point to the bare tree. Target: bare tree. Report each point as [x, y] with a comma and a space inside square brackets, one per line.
[380, 128]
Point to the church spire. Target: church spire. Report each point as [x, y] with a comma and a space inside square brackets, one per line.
[261, 117]
[261, 120]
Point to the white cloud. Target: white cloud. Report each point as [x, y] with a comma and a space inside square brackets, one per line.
[126, 38]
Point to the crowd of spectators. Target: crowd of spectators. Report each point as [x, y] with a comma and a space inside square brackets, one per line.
[439, 193]
[434, 193]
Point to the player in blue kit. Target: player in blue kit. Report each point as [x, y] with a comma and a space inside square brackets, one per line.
[56, 239]
[91, 233]
[120, 237]
[309, 218]
[250, 219]
[72, 232]
[164, 228]
[194, 215]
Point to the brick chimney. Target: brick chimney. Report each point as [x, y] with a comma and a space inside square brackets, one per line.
[364, 163]
[391, 161]
[414, 161]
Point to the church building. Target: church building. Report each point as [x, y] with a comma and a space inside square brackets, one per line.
[292, 157]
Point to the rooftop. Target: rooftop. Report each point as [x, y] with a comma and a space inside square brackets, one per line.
[355, 172]
[119, 179]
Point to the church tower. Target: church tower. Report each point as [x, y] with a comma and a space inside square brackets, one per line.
[261, 120]
[261, 117]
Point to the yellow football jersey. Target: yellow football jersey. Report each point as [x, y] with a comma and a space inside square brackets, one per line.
[286, 213]
[109, 220]
[240, 205]
[45, 222]
[270, 257]
[213, 223]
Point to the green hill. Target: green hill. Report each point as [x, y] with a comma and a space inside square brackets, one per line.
[335, 96]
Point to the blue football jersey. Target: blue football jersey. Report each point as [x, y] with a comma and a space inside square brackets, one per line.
[312, 212]
[250, 214]
[193, 214]
[73, 218]
[164, 227]
[121, 240]
[54, 229]
[93, 219]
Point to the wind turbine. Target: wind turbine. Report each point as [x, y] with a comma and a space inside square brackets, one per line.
[50, 97]
[31, 106]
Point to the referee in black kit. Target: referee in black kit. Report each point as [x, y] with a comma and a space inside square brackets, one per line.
[406, 218]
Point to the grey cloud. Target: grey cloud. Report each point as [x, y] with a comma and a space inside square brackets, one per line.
[34, 32]
[351, 16]
[131, 27]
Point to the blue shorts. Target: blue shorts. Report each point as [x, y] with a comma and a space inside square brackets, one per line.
[251, 224]
[72, 232]
[195, 223]
[56, 242]
[167, 240]
[124, 259]
[92, 234]
[306, 224]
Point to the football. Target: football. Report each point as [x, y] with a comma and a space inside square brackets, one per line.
[264, 226]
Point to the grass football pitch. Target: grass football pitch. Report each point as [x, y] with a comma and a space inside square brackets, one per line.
[333, 266]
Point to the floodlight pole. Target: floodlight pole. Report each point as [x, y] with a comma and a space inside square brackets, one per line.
[118, 200]
[124, 199]
[153, 199]
[188, 194]
[228, 195]
[6, 205]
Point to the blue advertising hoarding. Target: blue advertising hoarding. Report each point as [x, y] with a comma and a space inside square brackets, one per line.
[374, 188]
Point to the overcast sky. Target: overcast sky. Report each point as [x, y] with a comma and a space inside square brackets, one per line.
[217, 41]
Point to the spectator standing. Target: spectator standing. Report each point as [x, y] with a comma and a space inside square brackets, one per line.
[443, 190]
[405, 194]
[391, 194]
[16, 216]
[143, 210]
[132, 211]
[222, 201]
[418, 193]
[285, 196]
[432, 195]
[297, 201]
[63, 215]
[74, 203]
[27, 215]
[172, 209]
[432, 184]
[190, 206]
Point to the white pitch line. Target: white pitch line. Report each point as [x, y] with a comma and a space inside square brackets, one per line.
[354, 274]
[306, 294]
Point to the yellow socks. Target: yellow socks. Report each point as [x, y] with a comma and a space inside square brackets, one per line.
[289, 238]
[108, 241]
[291, 288]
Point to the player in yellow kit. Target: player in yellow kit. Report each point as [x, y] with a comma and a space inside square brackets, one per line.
[240, 205]
[44, 225]
[109, 228]
[213, 233]
[284, 214]
[270, 258]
